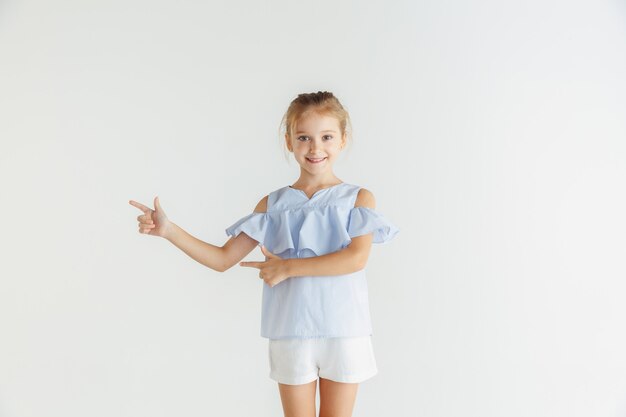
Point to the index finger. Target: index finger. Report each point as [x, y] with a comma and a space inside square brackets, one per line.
[252, 264]
[140, 206]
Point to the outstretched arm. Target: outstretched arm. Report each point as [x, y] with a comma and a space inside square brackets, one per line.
[218, 258]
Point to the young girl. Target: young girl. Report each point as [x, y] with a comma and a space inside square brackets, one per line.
[316, 236]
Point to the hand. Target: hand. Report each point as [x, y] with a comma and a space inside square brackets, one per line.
[273, 270]
[152, 222]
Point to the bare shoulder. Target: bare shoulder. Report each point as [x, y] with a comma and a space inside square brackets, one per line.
[261, 207]
[365, 198]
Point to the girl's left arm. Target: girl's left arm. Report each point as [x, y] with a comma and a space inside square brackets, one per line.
[350, 259]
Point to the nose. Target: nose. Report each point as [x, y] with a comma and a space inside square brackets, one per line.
[314, 145]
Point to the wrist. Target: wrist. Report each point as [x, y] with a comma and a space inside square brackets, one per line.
[170, 231]
[289, 267]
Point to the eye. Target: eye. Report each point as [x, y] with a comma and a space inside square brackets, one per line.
[300, 137]
[328, 136]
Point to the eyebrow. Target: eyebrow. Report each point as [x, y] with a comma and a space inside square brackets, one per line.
[297, 133]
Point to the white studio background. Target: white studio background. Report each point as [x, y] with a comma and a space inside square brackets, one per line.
[492, 133]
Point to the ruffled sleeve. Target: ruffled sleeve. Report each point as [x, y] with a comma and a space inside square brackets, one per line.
[364, 220]
[254, 225]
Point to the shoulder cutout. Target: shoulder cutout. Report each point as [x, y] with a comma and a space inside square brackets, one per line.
[365, 198]
[262, 206]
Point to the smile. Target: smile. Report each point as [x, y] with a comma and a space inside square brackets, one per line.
[315, 161]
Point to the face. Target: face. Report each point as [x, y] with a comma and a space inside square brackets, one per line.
[316, 143]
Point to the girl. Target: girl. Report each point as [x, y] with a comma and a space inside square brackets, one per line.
[316, 236]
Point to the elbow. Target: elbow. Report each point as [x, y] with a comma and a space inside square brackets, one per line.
[221, 263]
[358, 258]
[360, 262]
[222, 267]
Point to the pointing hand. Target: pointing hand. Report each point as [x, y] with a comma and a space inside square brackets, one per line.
[273, 270]
[152, 222]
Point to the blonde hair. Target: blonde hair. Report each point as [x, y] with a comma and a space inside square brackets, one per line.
[321, 102]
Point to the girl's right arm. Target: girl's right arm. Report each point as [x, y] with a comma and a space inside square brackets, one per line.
[218, 258]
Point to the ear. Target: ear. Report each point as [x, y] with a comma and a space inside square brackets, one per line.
[288, 142]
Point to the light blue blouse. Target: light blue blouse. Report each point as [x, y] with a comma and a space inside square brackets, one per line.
[295, 226]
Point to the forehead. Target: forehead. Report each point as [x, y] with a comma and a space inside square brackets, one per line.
[315, 122]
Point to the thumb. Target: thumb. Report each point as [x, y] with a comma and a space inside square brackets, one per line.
[268, 253]
[157, 205]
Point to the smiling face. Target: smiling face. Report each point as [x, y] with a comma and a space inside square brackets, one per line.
[316, 144]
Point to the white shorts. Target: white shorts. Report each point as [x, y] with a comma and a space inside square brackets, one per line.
[341, 359]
